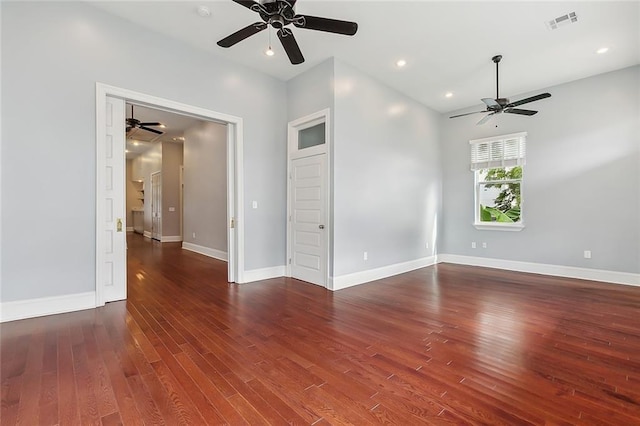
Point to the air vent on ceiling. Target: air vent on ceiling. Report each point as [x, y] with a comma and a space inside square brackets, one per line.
[561, 21]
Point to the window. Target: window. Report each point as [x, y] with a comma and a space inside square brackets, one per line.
[498, 164]
[311, 136]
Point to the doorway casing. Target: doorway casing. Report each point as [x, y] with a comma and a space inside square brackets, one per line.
[235, 194]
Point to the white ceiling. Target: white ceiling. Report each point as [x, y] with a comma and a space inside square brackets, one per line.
[448, 45]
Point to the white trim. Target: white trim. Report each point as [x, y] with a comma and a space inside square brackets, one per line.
[614, 277]
[171, 239]
[31, 308]
[235, 171]
[491, 226]
[349, 280]
[147, 234]
[129, 228]
[264, 274]
[498, 137]
[216, 254]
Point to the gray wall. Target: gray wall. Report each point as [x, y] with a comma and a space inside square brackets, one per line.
[311, 91]
[205, 185]
[581, 180]
[171, 161]
[52, 56]
[387, 190]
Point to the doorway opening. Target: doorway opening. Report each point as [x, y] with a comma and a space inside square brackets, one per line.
[110, 185]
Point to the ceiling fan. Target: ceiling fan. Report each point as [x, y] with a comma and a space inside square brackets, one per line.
[279, 14]
[500, 105]
[132, 123]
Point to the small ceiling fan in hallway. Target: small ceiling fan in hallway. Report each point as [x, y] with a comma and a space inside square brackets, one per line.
[132, 123]
[500, 105]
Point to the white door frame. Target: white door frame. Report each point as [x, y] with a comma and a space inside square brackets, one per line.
[157, 207]
[235, 174]
[294, 153]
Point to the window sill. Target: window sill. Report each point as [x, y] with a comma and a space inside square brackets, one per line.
[499, 227]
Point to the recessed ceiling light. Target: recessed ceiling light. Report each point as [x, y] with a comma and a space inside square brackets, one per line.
[135, 143]
[602, 50]
[401, 63]
[126, 150]
[448, 95]
[204, 11]
[269, 52]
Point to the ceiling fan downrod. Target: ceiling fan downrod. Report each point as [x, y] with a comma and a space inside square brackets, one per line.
[496, 59]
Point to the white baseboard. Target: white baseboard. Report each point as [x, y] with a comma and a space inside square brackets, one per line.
[216, 254]
[31, 308]
[147, 234]
[171, 239]
[615, 277]
[263, 274]
[129, 228]
[349, 280]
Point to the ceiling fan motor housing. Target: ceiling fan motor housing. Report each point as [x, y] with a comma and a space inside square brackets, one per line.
[277, 13]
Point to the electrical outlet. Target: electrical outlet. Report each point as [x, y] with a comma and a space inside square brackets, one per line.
[473, 244]
[484, 245]
[365, 256]
[426, 245]
[587, 254]
[254, 204]
[193, 235]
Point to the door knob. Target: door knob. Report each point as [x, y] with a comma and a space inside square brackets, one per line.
[321, 226]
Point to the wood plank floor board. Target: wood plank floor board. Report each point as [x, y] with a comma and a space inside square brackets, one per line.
[442, 345]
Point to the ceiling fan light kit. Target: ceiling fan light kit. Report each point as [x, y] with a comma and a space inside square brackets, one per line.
[500, 105]
[279, 14]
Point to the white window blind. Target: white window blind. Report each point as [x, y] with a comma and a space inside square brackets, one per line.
[498, 151]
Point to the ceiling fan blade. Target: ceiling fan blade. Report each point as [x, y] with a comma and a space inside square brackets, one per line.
[469, 113]
[155, 123]
[148, 129]
[326, 24]
[485, 119]
[240, 35]
[491, 103]
[520, 111]
[531, 99]
[290, 46]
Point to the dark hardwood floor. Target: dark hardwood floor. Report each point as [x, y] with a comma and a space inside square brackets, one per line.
[442, 345]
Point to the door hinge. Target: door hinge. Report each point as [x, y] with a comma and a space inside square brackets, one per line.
[233, 223]
[289, 261]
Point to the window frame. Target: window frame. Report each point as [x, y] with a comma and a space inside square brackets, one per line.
[497, 162]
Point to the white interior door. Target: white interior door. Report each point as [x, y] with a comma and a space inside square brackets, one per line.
[114, 272]
[308, 219]
[156, 206]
